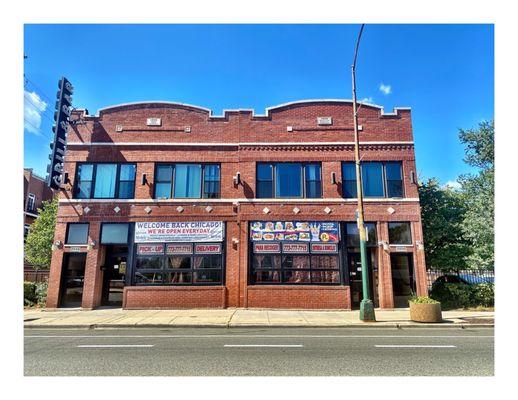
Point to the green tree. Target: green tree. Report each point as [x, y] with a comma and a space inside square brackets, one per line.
[479, 194]
[38, 246]
[443, 212]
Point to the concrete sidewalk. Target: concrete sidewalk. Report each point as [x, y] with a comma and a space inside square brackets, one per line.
[231, 317]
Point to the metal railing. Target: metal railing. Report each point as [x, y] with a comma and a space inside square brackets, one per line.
[468, 276]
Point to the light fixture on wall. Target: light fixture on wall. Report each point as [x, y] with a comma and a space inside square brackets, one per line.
[91, 245]
[333, 178]
[58, 244]
[384, 244]
[412, 177]
[419, 244]
[237, 179]
[144, 179]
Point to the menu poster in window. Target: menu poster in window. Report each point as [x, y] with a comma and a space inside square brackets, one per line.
[297, 231]
[199, 231]
[150, 249]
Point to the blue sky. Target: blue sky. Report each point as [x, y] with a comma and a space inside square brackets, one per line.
[445, 73]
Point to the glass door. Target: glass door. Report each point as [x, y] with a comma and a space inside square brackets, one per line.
[403, 284]
[72, 280]
[114, 274]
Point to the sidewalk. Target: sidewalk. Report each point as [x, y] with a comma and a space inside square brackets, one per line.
[231, 317]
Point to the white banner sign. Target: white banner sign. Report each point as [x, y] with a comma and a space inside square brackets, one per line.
[201, 231]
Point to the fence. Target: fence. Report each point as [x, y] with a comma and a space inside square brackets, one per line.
[469, 276]
[35, 275]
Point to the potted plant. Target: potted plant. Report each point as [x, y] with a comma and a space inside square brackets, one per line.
[425, 309]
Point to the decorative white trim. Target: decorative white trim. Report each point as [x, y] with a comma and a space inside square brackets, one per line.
[267, 110]
[219, 144]
[243, 200]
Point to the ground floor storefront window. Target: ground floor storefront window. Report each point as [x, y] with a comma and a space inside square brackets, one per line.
[295, 252]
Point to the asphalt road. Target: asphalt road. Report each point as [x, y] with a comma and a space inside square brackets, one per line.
[260, 352]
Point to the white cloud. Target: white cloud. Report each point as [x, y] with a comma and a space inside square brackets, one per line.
[367, 100]
[33, 107]
[385, 89]
[453, 185]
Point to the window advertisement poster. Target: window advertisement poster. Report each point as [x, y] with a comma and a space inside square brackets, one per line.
[297, 231]
[199, 231]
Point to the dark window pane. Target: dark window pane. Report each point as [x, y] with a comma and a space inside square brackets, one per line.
[127, 172]
[266, 276]
[294, 276]
[325, 277]
[148, 278]
[394, 179]
[353, 238]
[211, 189]
[85, 172]
[77, 234]
[164, 173]
[264, 189]
[163, 190]
[187, 182]
[211, 172]
[372, 179]
[114, 234]
[324, 262]
[126, 190]
[266, 261]
[288, 180]
[153, 262]
[177, 278]
[349, 180]
[399, 233]
[313, 189]
[394, 188]
[209, 276]
[264, 172]
[178, 262]
[312, 172]
[105, 178]
[208, 261]
[295, 261]
[349, 188]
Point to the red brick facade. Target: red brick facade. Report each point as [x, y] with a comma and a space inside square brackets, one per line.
[238, 140]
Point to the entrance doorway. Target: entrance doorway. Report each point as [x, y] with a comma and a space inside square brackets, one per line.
[356, 281]
[403, 284]
[114, 275]
[72, 279]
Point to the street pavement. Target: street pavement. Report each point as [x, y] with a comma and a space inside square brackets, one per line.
[263, 351]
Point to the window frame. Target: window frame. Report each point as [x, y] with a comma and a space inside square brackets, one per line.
[173, 180]
[409, 223]
[384, 178]
[31, 197]
[69, 224]
[304, 180]
[93, 181]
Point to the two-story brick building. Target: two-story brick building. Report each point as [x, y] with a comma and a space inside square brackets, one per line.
[169, 206]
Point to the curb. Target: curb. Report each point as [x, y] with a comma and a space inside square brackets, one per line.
[234, 326]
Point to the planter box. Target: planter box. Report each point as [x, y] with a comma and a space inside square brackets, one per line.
[425, 312]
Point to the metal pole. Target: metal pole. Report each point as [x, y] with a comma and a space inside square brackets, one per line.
[366, 305]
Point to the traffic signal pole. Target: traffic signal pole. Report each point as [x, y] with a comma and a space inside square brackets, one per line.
[366, 305]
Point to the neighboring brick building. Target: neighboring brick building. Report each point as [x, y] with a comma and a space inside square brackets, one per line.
[35, 192]
[168, 206]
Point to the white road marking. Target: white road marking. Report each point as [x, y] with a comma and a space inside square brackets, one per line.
[263, 345]
[415, 345]
[115, 345]
[256, 336]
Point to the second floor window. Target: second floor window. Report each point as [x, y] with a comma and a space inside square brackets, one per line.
[187, 181]
[379, 179]
[31, 203]
[285, 180]
[105, 181]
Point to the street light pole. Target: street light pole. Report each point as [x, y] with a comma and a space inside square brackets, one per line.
[366, 305]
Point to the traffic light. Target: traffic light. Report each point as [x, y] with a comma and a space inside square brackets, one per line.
[58, 146]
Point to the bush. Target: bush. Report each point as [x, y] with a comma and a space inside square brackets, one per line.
[422, 300]
[34, 293]
[484, 294]
[29, 293]
[461, 295]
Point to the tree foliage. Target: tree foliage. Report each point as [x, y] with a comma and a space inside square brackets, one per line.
[443, 211]
[38, 246]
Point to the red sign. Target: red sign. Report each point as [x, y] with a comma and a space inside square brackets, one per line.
[295, 247]
[208, 248]
[150, 249]
[178, 248]
[267, 247]
[324, 248]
